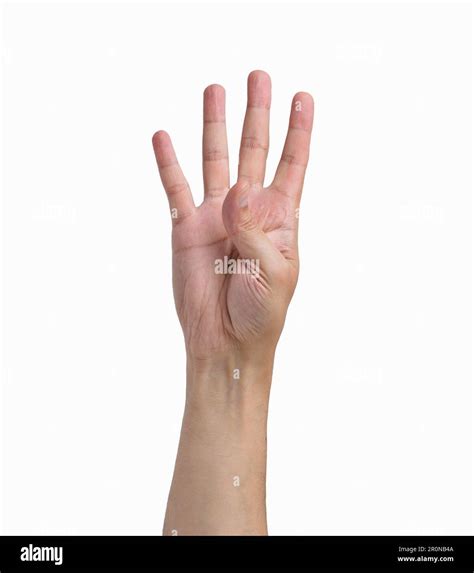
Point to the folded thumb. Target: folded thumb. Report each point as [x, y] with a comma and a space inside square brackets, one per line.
[243, 229]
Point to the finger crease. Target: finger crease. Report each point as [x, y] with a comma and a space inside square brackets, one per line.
[165, 165]
[215, 155]
[291, 160]
[251, 178]
[253, 143]
[215, 192]
[295, 128]
[177, 188]
[264, 106]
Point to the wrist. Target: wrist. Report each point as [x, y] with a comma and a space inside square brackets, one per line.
[233, 379]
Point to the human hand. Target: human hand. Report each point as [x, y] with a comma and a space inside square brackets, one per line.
[231, 321]
[243, 312]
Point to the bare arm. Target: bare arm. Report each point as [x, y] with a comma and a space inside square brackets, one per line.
[231, 315]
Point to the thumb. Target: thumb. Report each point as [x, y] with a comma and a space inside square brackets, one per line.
[246, 234]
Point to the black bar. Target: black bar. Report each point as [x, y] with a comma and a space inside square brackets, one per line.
[274, 552]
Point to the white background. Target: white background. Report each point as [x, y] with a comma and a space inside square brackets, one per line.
[371, 410]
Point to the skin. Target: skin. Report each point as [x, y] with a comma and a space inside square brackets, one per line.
[231, 322]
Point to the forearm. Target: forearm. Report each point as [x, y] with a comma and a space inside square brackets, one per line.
[218, 485]
[219, 480]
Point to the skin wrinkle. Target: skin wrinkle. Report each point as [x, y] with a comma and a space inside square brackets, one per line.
[294, 128]
[215, 155]
[250, 178]
[292, 160]
[276, 187]
[164, 166]
[177, 188]
[252, 142]
[263, 107]
[216, 242]
[215, 193]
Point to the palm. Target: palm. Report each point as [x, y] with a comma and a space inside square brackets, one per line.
[216, 309]
[220, 310]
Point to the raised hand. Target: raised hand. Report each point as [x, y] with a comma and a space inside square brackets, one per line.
[231, 320]
[219, 312]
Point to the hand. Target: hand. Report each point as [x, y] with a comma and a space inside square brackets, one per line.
[224, 312]
[231, 322]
